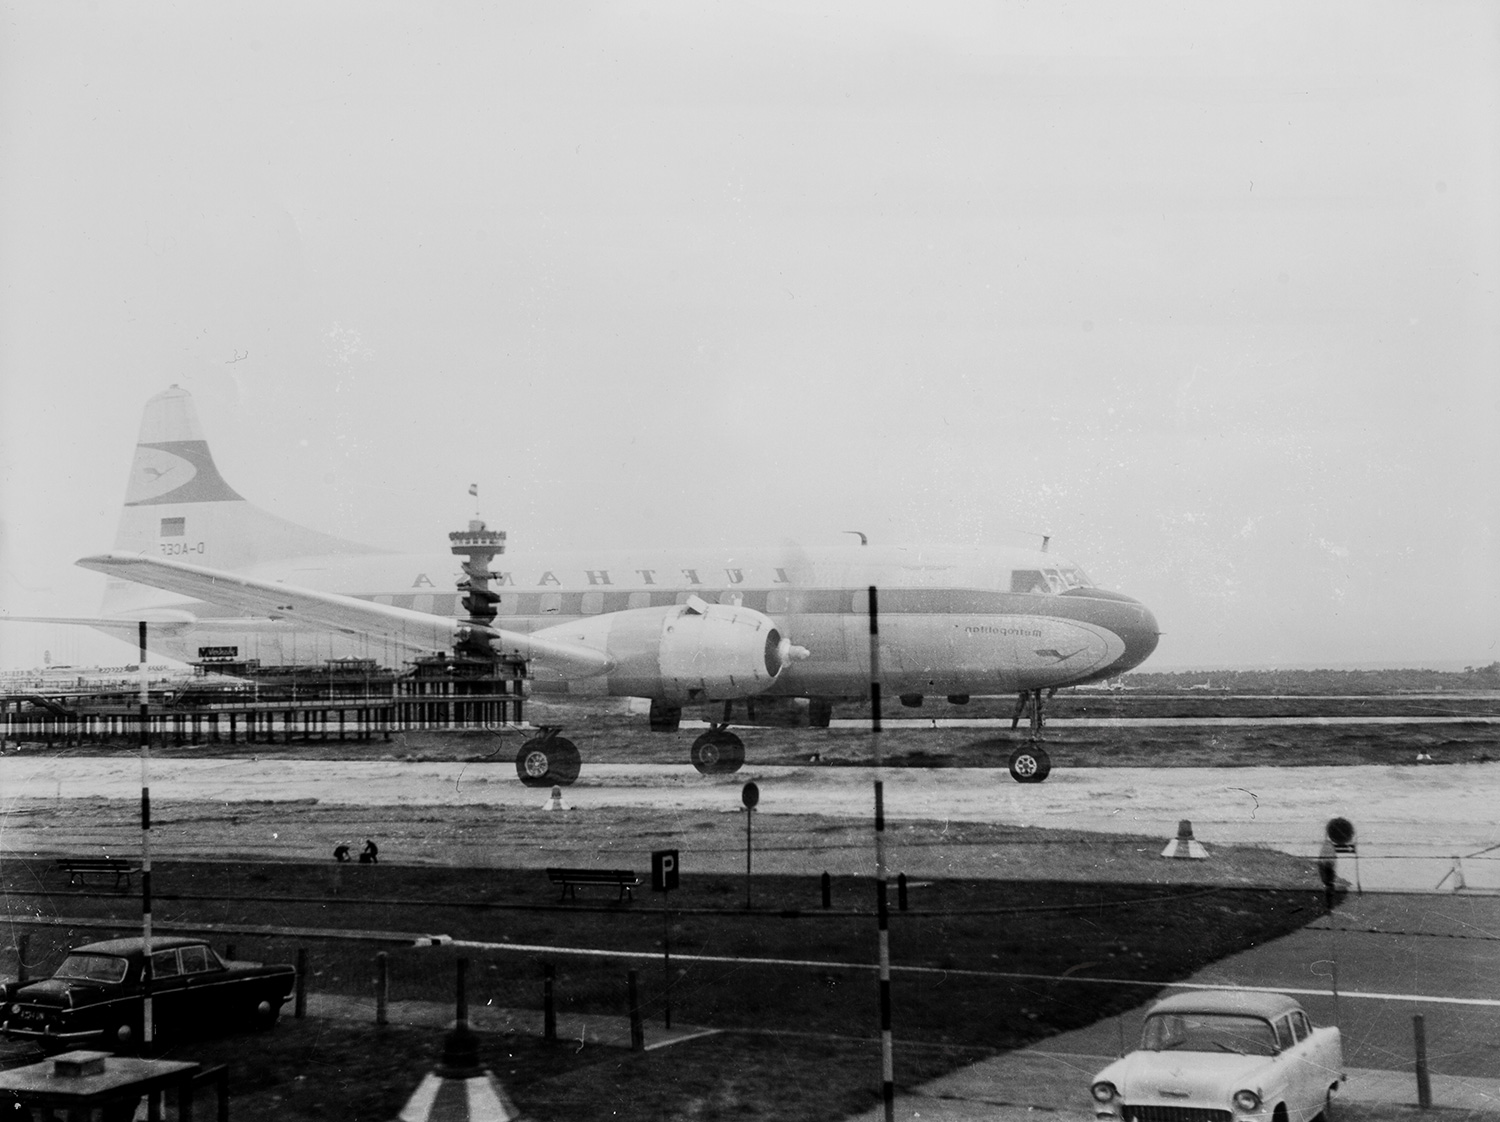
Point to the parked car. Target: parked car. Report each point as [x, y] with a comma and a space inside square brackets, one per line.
[1226, 1055]
[95, 997]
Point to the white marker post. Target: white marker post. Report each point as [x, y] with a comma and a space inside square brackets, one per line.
[887, 1058]
[146, 1035]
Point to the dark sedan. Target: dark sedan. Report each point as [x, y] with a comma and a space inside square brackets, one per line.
[95, 998]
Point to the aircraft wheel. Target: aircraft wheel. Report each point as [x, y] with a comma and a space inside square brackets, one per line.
[1030, 764]
[553, 762]
[717, 752]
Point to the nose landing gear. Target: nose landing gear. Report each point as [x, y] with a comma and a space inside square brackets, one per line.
[1030, 764]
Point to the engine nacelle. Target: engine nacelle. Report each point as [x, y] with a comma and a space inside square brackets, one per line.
[695, 651]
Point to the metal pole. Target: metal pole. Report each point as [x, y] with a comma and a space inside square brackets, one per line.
[1424, 1084]
[749, 814]
[637, 1030]
[382, 989]
[666, 960]
[549, 1010]
[887, 1060]
[146, 1026]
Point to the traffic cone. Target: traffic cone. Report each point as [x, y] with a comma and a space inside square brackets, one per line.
[1184, 844]
[556, 802]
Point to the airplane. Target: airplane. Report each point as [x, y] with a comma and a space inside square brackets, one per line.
[781, 634]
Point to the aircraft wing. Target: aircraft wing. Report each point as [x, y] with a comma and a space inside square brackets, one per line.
[417, 631]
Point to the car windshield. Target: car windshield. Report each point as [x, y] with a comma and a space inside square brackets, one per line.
[1208, 1032]
[92, 968]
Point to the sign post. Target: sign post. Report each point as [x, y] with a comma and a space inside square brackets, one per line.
[750, 795]
[664, 865]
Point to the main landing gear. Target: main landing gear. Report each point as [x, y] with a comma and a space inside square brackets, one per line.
[1030, 764]
[548, 760]
[718, 751]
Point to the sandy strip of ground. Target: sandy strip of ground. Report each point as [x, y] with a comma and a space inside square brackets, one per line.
[1412, 821]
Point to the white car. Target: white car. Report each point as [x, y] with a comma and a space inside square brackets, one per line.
[1222, 1056]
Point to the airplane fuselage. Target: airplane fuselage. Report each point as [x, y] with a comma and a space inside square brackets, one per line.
[951, 620]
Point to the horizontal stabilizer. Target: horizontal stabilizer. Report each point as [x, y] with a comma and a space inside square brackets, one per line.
[406, 627]
[157, 617]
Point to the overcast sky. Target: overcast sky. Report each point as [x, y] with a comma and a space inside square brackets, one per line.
[1208, 292]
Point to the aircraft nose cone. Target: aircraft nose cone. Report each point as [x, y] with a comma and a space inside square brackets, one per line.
[1140, 634]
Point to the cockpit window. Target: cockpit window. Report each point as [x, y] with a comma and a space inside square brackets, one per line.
[1073, 577]
[1049, 581]
[1028, 580]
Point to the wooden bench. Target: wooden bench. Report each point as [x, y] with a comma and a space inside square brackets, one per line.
[570, 879]
[79, 868]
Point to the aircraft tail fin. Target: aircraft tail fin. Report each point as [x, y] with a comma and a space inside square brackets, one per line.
[177, 505]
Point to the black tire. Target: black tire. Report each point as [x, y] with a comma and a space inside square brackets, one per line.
[567, 762]
[1030, 764]
[548, 762]
[717, 752]
[125, 1040]
[1327, 1113]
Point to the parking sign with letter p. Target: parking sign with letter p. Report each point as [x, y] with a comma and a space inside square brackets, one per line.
[664, 870]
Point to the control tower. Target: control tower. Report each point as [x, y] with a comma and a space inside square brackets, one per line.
[475, 686]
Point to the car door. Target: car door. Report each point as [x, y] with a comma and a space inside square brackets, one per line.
[205, 993]
[1306, 1084]
[168, 993]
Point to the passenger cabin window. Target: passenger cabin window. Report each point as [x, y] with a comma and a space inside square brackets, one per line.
[164, 964]
[593, 603]
[198, 960]
[638, 600]
[778, 601]
[1300, 1025]
[551, 603]
[1284, 1038]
